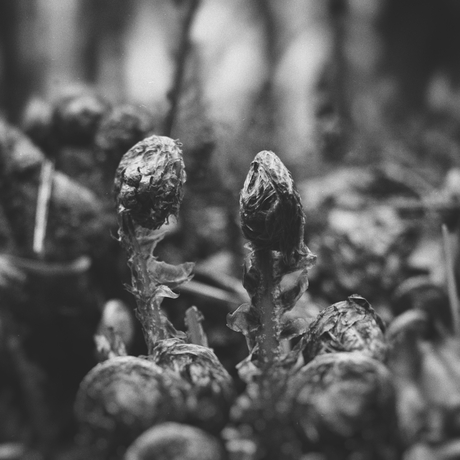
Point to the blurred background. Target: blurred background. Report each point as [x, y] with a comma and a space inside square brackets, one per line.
[316, 81]
[359, 98]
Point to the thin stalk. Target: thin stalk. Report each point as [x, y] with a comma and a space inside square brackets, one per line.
[152, 308]
[230, 298]
[185, 45]
[450, 279]
[43, 201]
[268, 338]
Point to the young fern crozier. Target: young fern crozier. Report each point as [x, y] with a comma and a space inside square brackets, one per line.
[350, 325]
[149, 181]
[275, 277]
[148, 186]
[272, 219]
[148, 189]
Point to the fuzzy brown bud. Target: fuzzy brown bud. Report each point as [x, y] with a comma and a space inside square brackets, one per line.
[175, 441]
[212, 391]
[344, 404]
[77, 116]
[149, 180]
[351, 325]
[122, 397]
[122, 128]
[271, 212]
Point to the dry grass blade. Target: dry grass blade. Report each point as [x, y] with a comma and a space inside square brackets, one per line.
[43, 200]
[450, 279]
[212, 293]
[73, 267]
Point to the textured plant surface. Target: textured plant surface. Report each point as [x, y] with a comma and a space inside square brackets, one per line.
[175, 441]
[351, 325]
[212, 390]
[122, 397]
[149, 180]
[344, 404]
[271, 212]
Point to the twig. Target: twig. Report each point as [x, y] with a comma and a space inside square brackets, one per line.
[185, 46]
[450, 279]
[43, 200]
[193, 320]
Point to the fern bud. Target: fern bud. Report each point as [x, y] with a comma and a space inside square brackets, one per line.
[149, 180]
[123, 127]
[175, 441]
[77, 116]
[271, 212]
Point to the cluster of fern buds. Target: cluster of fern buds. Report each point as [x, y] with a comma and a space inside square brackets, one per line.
[311, 387]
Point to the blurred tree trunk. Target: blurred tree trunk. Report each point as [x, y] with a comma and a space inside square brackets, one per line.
[333, 104]
[20, 64]
[261, 129]
[411, 50]
[187, 13]
[103, 25]
[420, 38]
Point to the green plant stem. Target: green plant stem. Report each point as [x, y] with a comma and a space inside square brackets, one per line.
[147, 304]
[268, 338]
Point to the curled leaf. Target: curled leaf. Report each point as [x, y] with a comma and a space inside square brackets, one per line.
[289, 296]
[350, 325]
[244, 319]
[251, 276]
[163, 291]
[169, 275]
[293, 327]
